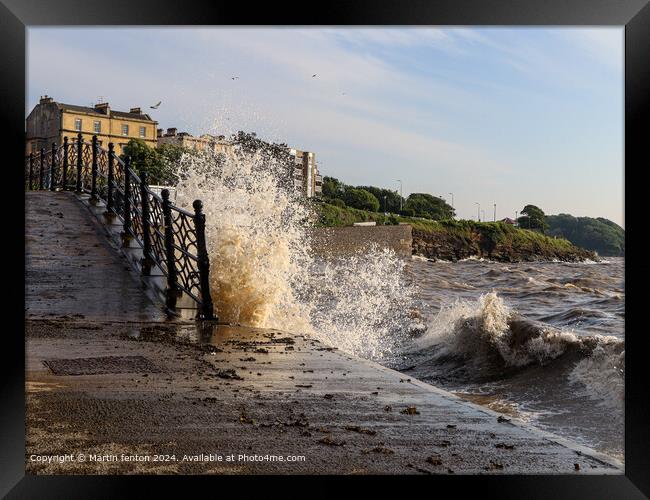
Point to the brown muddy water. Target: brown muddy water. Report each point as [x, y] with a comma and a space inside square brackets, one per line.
[541, 341]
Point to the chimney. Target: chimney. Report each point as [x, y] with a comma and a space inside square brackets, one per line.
[171, 131]
[137, 111]
[45, 99]
[159, 132]
[103, 107]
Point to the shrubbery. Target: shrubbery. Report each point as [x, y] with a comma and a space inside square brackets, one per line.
[159, 163]
[601, 235]
[361, 199]
[374, 199]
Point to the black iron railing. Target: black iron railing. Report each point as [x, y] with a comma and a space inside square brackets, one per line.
[171, 238]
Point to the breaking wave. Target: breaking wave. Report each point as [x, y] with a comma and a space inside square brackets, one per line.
[601, 376]
[263, 273]
[485, 339]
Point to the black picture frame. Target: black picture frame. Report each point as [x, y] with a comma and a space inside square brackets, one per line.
[18, 15]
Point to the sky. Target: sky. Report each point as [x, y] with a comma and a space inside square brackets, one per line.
[511, 116]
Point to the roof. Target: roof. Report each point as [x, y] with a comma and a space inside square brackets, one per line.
[93, 111]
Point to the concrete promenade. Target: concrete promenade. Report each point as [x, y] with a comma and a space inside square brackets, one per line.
[110, 378]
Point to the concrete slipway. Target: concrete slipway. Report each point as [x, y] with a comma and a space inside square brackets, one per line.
[111, 382]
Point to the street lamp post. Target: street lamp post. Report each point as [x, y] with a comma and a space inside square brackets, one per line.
[400, 194]
[478, 211]
[495, 212]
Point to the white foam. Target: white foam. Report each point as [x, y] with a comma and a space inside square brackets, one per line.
[477, 329]
[601, 375]
[262, 272]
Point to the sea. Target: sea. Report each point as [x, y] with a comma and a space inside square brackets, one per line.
[542, 342]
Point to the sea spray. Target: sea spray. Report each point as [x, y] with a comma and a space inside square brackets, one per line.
[262, 271]
[254, 239]
[363, 303]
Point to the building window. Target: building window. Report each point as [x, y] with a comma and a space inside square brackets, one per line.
[143, 132]
[77, 124]
[97, 126]
[125, 130]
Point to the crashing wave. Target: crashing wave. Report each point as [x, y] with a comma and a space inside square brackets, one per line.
[263, 273]
[601, 376]
[488, 338]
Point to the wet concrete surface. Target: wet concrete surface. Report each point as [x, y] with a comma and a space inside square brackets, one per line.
[256, 392]
[72, 269]
[220, 390]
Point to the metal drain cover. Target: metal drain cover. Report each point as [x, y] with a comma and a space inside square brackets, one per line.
[100, 365]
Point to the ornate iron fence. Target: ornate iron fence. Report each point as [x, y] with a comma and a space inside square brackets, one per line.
[171, 238]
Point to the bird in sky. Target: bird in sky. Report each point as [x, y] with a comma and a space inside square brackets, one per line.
[235, 78]
[313, 75]
[155, 106]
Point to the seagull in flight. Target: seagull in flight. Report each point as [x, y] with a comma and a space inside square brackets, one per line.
[235, 78]
[314, 75]
[155, 106]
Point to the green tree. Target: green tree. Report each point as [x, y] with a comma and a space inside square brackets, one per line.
[534, 218]
[161, 163]
[601, 235]
[147, 159]
[172, 153]
[333, 188]
[426, 205]
[249, 142]
[361, 199]
[269, 152]
[389, 201]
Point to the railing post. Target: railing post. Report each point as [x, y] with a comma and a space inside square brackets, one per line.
[147, 261]
[31, 171]
[126, 233]
[93, 185]
[80, 151]
[42, 169]
[111, 178]
[207, 309]
[64, 176]
[53, 167]
[172, 292]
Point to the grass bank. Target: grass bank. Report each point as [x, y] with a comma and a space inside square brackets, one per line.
[459, 239]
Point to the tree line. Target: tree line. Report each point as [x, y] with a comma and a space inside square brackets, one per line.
[598, 234]
[375, 199]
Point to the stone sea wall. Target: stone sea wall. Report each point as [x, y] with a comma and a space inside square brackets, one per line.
[351, 239]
